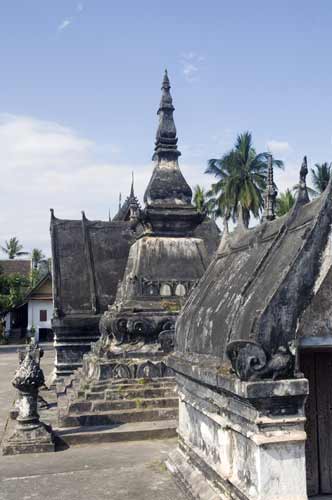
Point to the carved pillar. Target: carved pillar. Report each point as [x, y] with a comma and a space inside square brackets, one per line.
[30, 435]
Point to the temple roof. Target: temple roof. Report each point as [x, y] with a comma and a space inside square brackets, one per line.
[259, 282]
[89, 259]
[123, 213]
[16, 266]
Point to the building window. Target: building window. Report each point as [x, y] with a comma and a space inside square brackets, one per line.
[43, 315]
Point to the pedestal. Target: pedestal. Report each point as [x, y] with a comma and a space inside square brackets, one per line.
[238, 440]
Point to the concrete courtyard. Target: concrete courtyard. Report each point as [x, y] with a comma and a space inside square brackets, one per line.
[115, 471]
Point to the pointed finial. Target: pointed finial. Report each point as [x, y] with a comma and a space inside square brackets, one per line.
[166, 140]
[109, 215]
[132, 193]
[270, 193]
[165, 85]
[303, 197]
[120, 201]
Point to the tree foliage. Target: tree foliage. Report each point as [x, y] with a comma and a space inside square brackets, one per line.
[37, 256]
[202, 201]
[241, 180]
[13, 248]
[284, 202]
[320, 176]
[13, 288]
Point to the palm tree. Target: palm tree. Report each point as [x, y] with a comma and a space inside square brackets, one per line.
[320, 176]
[203, 202]
[199, 198]
[13, 248]
[37, 256]
[284, 202]
[241, 175]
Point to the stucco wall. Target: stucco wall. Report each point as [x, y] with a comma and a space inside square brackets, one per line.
[34, 308]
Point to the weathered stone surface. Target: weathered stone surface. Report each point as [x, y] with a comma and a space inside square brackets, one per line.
[259, 283]
[234, 441]
[242, 437]
[30, 435]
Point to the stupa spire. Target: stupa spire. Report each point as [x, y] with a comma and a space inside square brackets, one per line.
[132, 193]
[166, 140]
[270, 193]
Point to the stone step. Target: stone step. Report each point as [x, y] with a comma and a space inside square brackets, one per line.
[125, 432]
[120, 387]
[141, 393]
[117, 416]
[122, 404]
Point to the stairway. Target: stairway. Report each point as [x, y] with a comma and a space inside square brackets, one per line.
[118, 410]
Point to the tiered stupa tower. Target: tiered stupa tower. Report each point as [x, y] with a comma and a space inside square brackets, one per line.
[173, 246]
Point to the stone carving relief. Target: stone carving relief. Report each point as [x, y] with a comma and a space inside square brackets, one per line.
[251, 362]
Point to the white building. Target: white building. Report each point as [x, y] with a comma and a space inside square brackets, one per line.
[40, 309]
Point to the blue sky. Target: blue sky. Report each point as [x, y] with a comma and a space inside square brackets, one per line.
[80, 87]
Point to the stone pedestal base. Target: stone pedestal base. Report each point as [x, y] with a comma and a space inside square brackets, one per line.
[238, 440]
[36, 440]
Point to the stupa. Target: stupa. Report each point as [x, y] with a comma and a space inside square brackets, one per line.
[174, 244]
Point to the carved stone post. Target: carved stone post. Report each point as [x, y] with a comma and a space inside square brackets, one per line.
[30, 435]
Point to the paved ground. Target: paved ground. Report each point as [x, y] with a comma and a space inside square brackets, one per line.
[117, 471]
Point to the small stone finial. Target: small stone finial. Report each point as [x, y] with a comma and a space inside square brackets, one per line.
[109, 215]
[270, 193]
[120, 201]
[303, 197]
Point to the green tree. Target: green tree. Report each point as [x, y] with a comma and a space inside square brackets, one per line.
[13, 288]
[37, 256]
[284, 202]
[202, 201]
[199, 198]
[13, 248]
[241, 180]
[320, 176]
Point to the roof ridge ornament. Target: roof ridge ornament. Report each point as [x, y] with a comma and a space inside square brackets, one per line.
[302, 196]
[270, 193]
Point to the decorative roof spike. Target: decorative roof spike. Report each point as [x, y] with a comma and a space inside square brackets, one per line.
[303, 197]
[166, 140]
[270, 194]
[130, 204]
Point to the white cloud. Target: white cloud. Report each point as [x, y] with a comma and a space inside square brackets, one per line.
[46, 165]
[190, 62]
[79, 7]
[64, 24]
[26, 142]
[278, 147]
